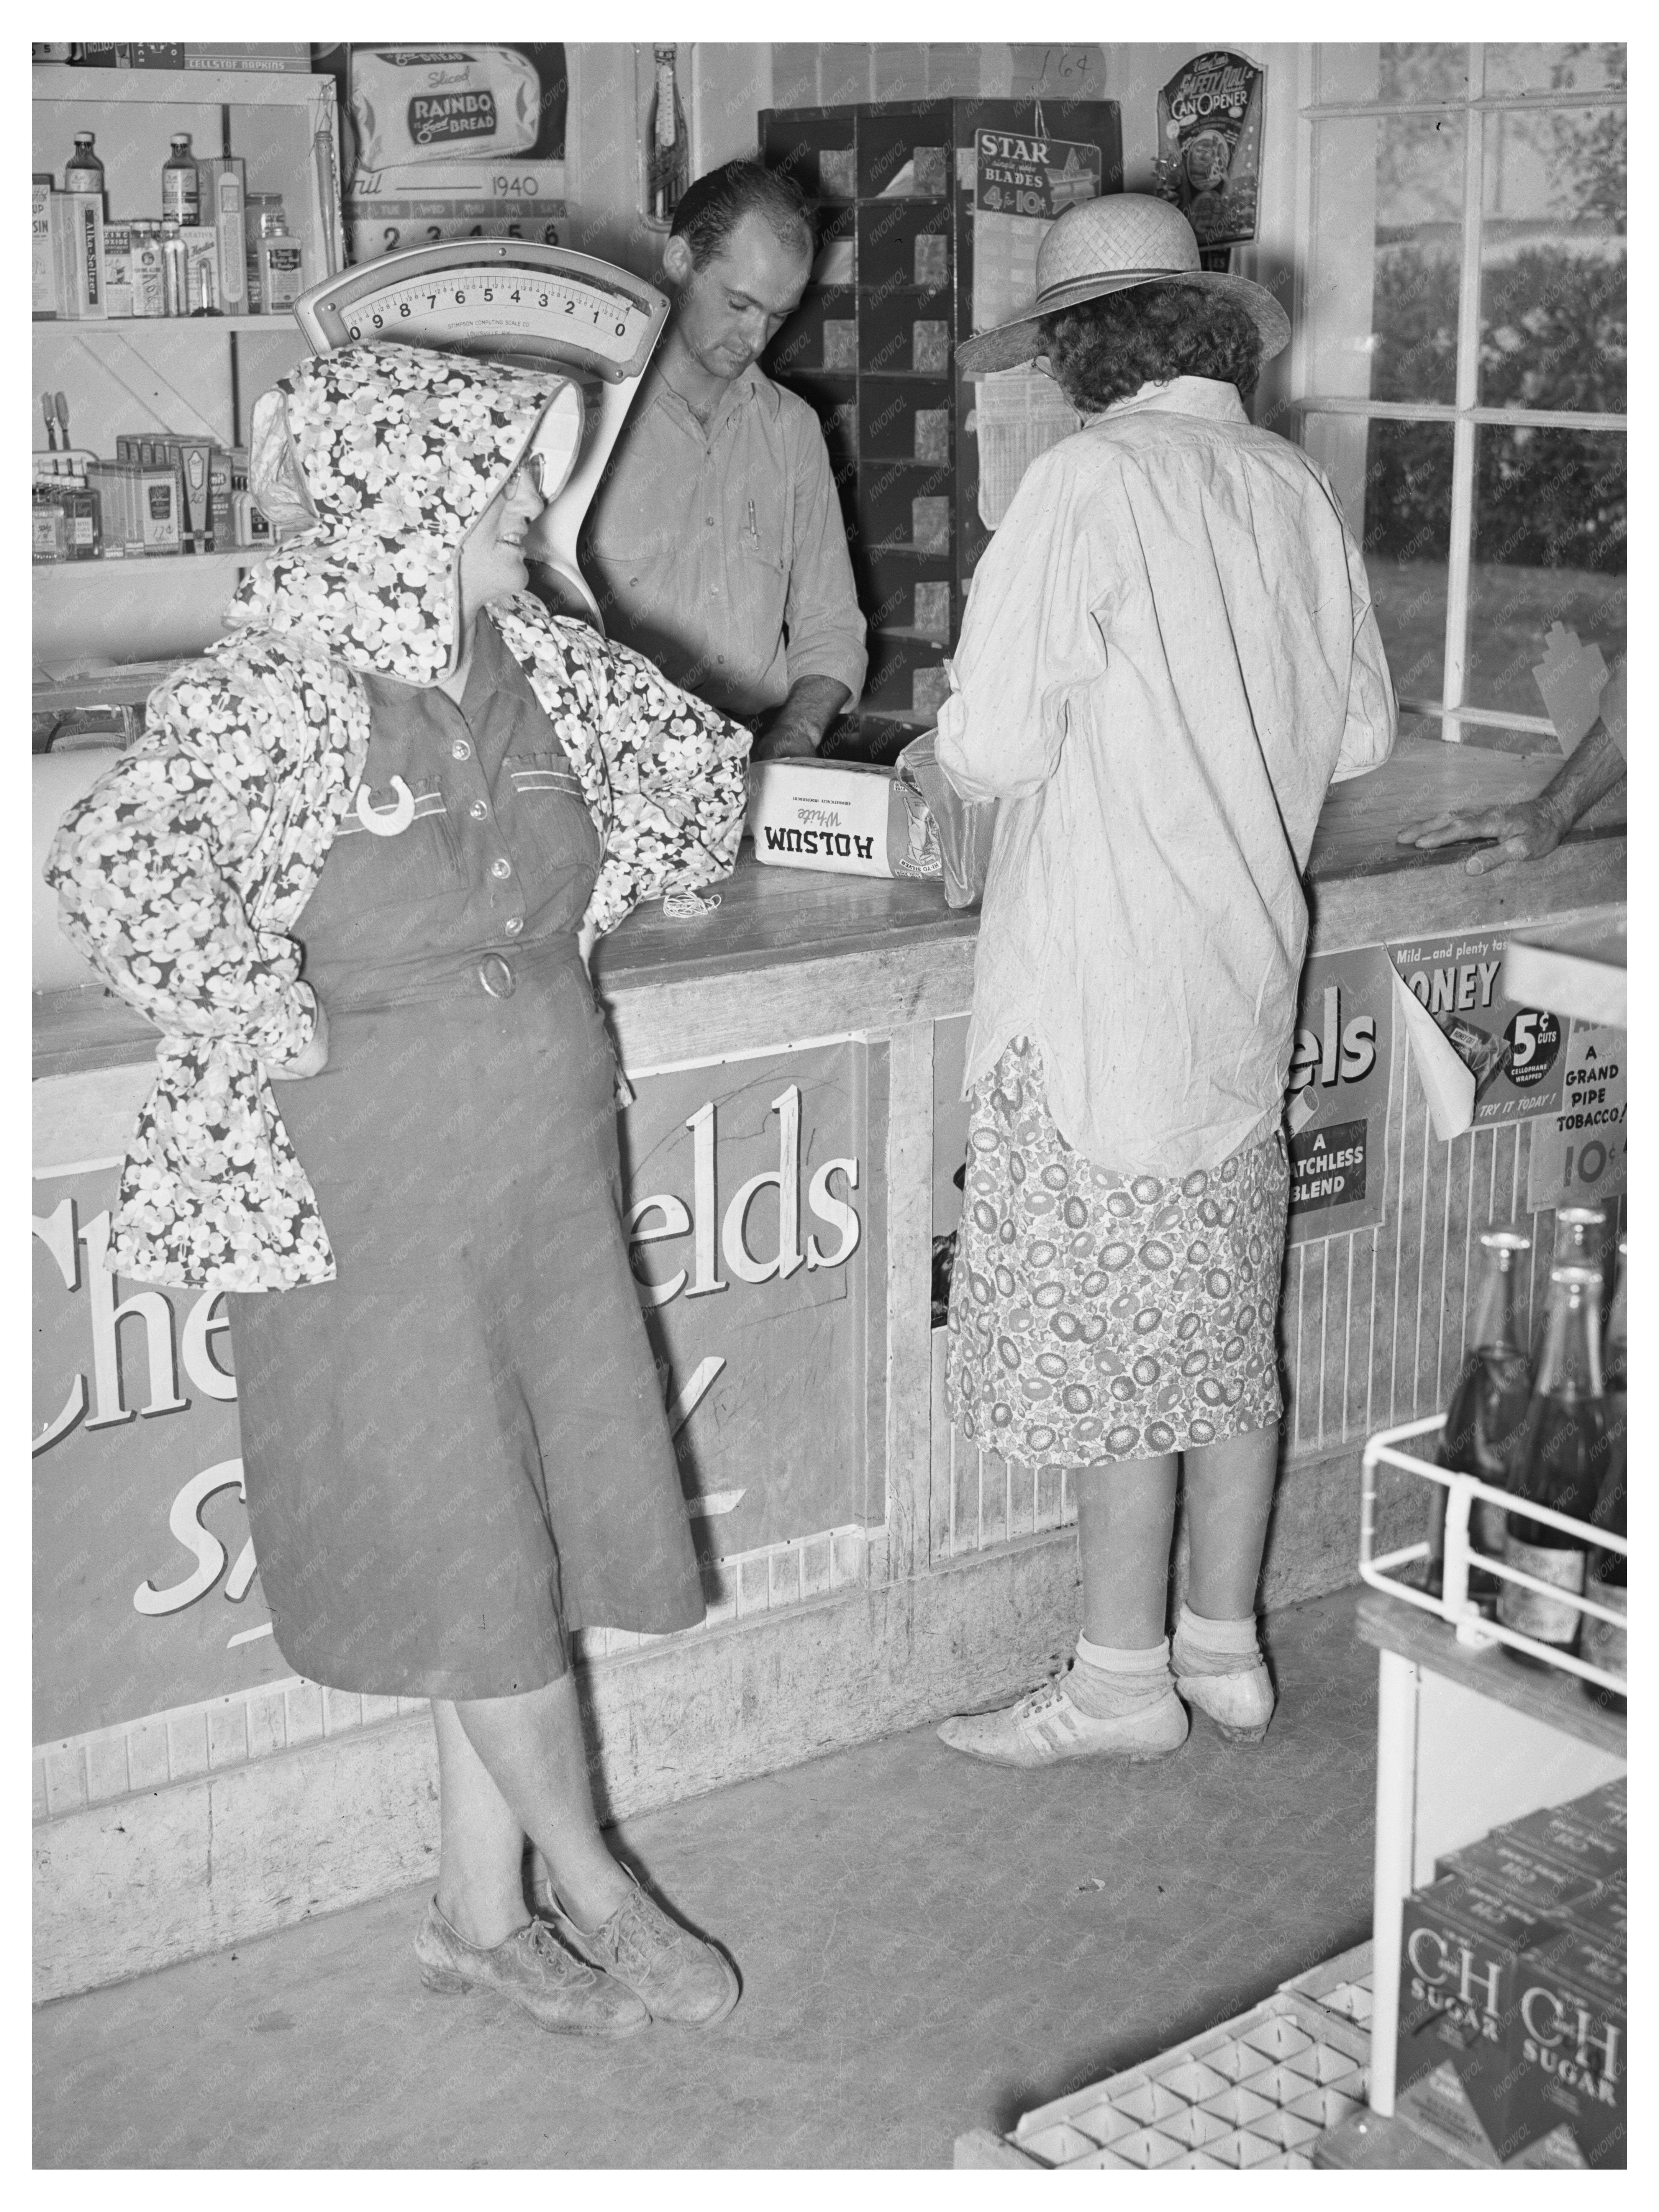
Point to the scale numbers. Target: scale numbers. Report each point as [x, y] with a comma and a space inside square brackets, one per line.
[538, 301]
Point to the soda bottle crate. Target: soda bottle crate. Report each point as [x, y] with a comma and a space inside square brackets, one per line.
[1392, 1448]
[1258, 2091]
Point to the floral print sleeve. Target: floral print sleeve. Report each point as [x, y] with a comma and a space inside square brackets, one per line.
[180, 875]
[151, 867]
[663, 775]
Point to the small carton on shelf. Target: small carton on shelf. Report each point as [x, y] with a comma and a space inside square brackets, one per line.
[1565, 2054]
[1603, 1910]
[77, 245]
[1554, 1836]
[1502, 1863]
[223, 180]
[148, 279]
[117, 269]
[43, 264]
[1461, 1951]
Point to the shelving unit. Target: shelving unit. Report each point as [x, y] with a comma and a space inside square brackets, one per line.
[871, 350]
[1466, 1738]
[105, 629]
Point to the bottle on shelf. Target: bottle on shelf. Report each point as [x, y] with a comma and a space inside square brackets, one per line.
[1488, 1406]
[256, 206]
[175, 271]
[668, 144]
[1560, 1462]
[83, 173]
[1600, 1641]
[1578, 1237]
[281, 262]
[181, 187]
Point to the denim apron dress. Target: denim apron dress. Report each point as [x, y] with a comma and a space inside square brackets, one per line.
[457, 1451]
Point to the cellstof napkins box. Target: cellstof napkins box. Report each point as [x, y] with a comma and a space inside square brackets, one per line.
[846, 817]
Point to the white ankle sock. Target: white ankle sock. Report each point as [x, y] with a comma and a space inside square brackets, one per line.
[1216, 1647]
[1109, 1684]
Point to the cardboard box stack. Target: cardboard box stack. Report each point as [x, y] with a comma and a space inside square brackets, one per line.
[1513, 2024]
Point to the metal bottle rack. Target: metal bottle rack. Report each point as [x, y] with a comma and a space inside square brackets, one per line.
[1454, 1604]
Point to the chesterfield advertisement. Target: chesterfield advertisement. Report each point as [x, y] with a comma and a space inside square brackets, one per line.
[1337, 1097]
[752, 1227]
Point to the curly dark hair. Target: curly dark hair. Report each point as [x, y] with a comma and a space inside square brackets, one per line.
[1105, 349]
[711, 209]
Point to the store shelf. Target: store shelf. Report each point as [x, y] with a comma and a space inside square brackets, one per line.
[236, 556]
[91, 326]
[128, 685]
[1581, 971]
[1389, 1624]
[193, 376]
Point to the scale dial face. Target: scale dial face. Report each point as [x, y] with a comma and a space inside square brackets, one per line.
[509, 299]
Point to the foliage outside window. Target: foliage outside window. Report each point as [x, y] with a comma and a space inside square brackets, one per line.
[1461, 362]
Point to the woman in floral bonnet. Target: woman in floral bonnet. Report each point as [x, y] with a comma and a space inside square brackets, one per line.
[362, 848]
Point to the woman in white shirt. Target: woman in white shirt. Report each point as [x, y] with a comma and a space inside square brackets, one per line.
[1168, 656]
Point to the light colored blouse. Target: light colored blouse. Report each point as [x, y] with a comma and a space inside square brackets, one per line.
[720, 552]
[1169, 654]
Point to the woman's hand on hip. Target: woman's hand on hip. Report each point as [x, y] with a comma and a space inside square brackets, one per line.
[313, 1059]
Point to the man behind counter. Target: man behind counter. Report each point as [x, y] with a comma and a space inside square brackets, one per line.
[715, 544]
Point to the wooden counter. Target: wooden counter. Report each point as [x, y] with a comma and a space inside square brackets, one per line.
[849, 952]
[801, 1048]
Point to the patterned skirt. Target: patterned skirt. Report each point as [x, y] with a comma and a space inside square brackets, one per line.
[1100, 1316]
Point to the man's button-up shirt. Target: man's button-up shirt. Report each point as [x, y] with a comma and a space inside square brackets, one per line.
[721, 553]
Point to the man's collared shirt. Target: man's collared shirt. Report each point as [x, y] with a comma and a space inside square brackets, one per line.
[1167, 654]
[721, 554]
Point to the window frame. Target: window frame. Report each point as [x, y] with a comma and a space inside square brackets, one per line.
[1452, 708]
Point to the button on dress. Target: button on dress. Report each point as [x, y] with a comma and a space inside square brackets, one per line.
[458, 1450]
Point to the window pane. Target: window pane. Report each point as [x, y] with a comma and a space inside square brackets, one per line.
[1360, 72]
[1549, 546]
[1554, 326]
[1393, 481]
[1571, 68]
[1381, 303]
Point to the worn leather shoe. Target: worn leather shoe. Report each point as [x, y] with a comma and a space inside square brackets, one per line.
[1239, 1704]
[531, 1969]
[1236, 1693]
[1045, 1726]
[682, 1981]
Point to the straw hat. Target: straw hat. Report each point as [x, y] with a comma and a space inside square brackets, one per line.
[1112, 244]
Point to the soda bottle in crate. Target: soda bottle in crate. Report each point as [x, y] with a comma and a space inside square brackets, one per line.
[1488, 1406]
[1560, 1462]
[1600, 1641]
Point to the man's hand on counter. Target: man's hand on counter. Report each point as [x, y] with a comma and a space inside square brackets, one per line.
[1523, 832]
[1528, 829]
[796, 730]
[784, 741]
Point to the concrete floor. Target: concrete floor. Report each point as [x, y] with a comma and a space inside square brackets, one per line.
[926, 1946]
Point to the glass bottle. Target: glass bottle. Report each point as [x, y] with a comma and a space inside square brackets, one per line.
[181, 186]
[1560, 1462]
[83, 171]
[1600, 1641]
[1488, 1406]
[668, 142]
[1578, 1237]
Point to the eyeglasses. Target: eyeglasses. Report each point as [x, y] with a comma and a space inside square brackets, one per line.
[536, 468]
